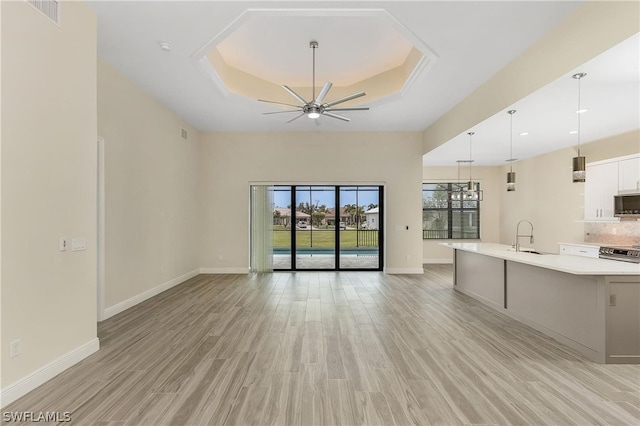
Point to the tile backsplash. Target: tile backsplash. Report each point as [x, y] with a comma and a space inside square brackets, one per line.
[623, 233]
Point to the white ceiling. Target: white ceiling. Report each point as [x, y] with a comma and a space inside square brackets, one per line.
[610, 91]
[472, 40]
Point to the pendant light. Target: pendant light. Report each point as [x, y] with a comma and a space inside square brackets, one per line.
[579, 162]
[456, 194]
[511, 175]
[472, 191]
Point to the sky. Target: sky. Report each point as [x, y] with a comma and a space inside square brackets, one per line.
[326, 195]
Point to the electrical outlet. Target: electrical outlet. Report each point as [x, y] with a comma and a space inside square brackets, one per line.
[63, 244]
[15, 348]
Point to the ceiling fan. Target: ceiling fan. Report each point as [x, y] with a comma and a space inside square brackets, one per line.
[316, 107]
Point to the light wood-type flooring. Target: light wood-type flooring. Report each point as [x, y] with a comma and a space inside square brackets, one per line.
[332, 348]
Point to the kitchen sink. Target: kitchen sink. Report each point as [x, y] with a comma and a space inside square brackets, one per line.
[529, 251]
[533, 252]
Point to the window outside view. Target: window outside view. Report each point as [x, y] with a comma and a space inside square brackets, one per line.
[316, 221]
[446, 218]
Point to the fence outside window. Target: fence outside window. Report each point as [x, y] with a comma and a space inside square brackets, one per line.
[444, 218]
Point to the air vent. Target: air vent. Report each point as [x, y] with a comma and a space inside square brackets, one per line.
[184, 134]
[51, 8]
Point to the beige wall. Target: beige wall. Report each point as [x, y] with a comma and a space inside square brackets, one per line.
[151, 181]
[546, 196]
[491, 184]
[231, 161]
[48, 185]
[615, 146]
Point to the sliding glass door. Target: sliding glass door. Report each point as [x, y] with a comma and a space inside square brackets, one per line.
[322, 227]
[360, 231]
[315, 236]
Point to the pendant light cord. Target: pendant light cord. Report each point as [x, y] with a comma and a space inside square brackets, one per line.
[511, 143]
[470, 156]
[579, 113]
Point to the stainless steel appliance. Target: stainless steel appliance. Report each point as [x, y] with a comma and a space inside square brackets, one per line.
[625, 254]
[627, 205]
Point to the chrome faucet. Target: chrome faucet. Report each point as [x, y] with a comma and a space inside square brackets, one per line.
[517, 243]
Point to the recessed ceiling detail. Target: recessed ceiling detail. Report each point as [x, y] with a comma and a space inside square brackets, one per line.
[360, 50]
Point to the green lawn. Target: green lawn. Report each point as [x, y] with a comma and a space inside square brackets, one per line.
[323, 238]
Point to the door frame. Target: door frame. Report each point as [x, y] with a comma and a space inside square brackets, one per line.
[337, 188]
[100, 237]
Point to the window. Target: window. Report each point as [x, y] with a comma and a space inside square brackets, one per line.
[443, 218]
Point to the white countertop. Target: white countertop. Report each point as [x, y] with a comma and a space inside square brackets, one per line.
[577, 265]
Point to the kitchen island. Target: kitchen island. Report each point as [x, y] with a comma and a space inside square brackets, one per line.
[590, 305]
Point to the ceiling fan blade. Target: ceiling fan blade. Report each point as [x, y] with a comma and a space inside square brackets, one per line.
[345, 99]
[281, 112]
[323, 92]
[295, 95]
[365, 108]
[339, 117]
[279, 103]
[296, 117]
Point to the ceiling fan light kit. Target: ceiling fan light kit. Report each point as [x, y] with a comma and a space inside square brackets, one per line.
[317, 107]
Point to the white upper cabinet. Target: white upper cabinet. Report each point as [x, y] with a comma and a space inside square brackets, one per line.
[599, 188]
[605, 179]
[629, 174]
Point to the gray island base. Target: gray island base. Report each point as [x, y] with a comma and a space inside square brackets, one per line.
[590, 305]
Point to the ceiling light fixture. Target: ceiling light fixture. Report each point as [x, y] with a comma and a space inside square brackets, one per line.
[471, 191]
[165, 46]
[511, 175]
[579, 162]
[523, 133]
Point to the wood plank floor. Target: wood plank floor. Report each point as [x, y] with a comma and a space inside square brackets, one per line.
[330, 348]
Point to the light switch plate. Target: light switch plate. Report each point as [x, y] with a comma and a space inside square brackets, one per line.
[63, 244]
[15, 348]
[78, 244]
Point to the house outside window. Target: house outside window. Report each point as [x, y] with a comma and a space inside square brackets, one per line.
[443, 218]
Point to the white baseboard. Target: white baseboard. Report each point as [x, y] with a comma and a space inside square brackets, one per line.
[392, 271]
[442, 261]
[129, 303]
[224, 270]
[46, 373]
